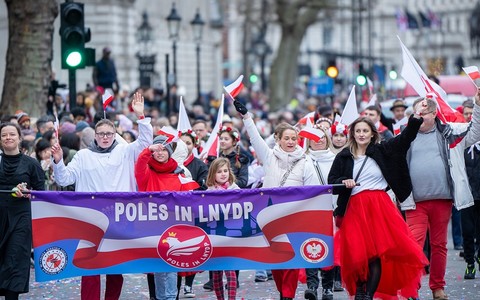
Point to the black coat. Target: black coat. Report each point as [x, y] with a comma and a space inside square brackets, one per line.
[199, 171]
[473, 171]
[241, 174]
[390, 157]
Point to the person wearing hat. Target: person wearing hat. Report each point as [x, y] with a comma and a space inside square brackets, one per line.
[88, 170]
[104, 73]
[398, 109]
[156, 170]
[24, 121]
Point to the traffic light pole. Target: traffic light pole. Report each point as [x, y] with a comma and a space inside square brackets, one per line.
[72, 87]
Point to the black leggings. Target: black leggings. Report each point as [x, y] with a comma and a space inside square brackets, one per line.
[9, 295]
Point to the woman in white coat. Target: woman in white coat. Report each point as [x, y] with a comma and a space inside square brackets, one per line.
[285, 165]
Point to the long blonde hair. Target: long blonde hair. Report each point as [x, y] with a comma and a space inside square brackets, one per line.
[352, 144]
[212, 171]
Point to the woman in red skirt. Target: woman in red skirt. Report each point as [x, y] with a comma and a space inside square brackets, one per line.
[377, 252]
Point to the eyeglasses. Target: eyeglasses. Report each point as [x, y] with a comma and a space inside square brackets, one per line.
[105, 134]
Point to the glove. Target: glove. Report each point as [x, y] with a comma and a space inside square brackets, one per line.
[240, 107]
[338, 221]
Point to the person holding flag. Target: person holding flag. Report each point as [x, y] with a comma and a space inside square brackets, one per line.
[437, 168]
[285, 165]
[105, 166]
[376, 251]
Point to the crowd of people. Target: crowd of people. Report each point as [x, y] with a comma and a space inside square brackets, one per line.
[391, 189]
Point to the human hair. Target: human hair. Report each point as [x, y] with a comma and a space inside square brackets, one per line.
[374, 108]
[200, 121]
[70, 140]
[431, 104]
[352, 144]
[105, 122]
[212, 171]
[41, 145]
[467, 103]
[44, 120]
[235, 135]
[281, 128]
[17, 127]
[327, 137]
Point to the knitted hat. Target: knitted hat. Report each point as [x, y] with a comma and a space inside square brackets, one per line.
[67, 127]
[161, 139]
[81, 125]
[22, 117]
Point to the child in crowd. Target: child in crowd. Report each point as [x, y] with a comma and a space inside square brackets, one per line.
[221, 177]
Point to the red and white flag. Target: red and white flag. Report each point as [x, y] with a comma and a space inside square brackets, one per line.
[56, 126]
[308, 117]
[170, 133]
[234, 88]
[350, 112]
[212, 145]
[107, 98]
[472, 72]
[311, 133]
[370, 86]
[397, 125]
[416, 77]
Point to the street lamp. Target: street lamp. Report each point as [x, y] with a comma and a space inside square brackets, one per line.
[174, 20]
[262, 49]
[144, 55]
[197, 24]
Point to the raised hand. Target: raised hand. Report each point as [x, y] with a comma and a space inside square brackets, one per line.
[477, 97]
[57, 153]
[240, 107]
[138, 104]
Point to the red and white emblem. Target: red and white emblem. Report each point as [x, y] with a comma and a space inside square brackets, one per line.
[314, 250]
[184, 246]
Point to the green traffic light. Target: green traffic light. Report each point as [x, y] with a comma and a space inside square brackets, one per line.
[253, 78]
[393, 74]
[74, 59]
[361, 80]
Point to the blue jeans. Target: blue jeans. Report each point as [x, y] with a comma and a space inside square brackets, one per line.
[456, 227]
[166, 286]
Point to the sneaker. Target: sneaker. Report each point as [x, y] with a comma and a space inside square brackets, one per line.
[337, 286]
[327, 294]
[261, 279]
[188, 292]
[470, 272]
[208, 286]
[310, 294]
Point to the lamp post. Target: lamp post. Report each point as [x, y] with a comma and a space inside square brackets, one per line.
[146, 58]
[197, 24]
[173, 21]
[262, 49]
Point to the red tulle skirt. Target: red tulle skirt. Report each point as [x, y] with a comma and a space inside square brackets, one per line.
[373, 227]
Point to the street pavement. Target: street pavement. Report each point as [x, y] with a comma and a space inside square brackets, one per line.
[135, 286]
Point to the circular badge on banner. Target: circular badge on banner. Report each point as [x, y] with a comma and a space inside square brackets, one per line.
[184, 246]
[314, 250]
[53, 260]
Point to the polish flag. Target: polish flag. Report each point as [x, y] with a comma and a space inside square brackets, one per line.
[234, 88]
[472, 72]
[211, 146]
[312, 133]
[56, 126]
[397, 125]
[416, 77]
[107, 98]
[350, 112]
[170, 133]
[310, 116]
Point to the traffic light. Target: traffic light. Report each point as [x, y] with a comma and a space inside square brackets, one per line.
[392, 74]
[332, 70]
[253, 78]
[362, 76]
[73, 36]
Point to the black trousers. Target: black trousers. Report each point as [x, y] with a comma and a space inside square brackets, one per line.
[470, 231]
[313, 280]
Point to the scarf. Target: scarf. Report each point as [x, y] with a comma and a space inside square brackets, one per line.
[321, 155]
[288, 158]
[170, 166]
[97, 149]
[188, 160]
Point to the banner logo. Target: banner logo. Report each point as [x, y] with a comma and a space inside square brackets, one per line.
[184, 246]
[314, 250]
[53, 260]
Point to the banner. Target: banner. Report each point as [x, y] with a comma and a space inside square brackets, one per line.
[78, 234]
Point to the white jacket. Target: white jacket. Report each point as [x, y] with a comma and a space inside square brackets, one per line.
[456, 161]
[105, 172]
[323, 159]
[276, 161]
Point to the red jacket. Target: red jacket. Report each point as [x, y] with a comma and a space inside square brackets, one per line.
[154, 176]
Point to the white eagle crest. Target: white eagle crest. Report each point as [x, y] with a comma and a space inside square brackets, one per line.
[186, 247]
[314, 250]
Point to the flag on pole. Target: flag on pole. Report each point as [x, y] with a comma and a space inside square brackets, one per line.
[170, 133]
[397, 125]
[350, 112]
[211, 146]
[370, 86]
[234, 88]
[311, 133]
[56, 126]
[107, 98]
[472, 72]
[373, 100]
[183, 120]
[308, 117]
[416, 77]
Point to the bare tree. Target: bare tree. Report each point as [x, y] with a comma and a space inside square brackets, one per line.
[28, 65]
[294, 17]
